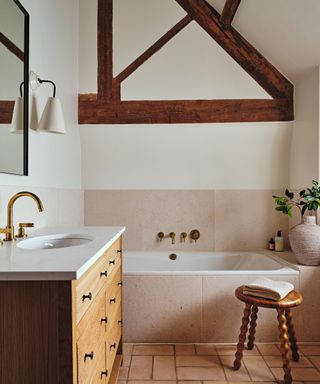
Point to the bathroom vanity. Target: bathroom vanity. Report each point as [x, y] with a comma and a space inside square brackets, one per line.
[61, 307]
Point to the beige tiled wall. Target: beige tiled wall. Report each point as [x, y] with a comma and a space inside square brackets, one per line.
[227, 219]
[62, 207]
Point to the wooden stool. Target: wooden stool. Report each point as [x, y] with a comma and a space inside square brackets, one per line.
[286, 329]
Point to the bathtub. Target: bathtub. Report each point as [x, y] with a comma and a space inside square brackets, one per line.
[191, 299]
[204, 263]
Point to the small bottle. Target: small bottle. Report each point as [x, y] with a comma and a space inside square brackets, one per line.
[271, 245]
[279, 244]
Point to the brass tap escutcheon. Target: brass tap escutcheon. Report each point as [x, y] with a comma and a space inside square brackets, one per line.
[194, 235]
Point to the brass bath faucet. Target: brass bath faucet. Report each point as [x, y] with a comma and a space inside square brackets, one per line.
[9, 230]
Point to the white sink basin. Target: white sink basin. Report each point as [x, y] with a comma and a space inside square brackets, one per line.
[55, 241]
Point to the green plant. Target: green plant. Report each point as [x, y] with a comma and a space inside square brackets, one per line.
[309, 199]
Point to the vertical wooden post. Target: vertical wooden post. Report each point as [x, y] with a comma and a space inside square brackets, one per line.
[105, 49]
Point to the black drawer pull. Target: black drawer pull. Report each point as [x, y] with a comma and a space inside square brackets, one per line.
[104, 320]
[105, 273]
[119, 321]
[113, 345]
[104, 373]
[119, 251]
[89, 296]
[120, 283]
[113, 300]
[88, 356]
[112, 262]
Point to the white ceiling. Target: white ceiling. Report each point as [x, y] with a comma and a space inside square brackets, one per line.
[286, 32]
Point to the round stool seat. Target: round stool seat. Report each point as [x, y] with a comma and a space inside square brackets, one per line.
[293, 299]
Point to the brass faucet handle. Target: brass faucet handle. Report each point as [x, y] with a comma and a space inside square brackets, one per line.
[21, 230]
[160, 236]
[4, 231]
[195, 235]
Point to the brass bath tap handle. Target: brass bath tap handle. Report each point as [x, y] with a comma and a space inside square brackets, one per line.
[194, 235]
[22, 231]
[160, 236]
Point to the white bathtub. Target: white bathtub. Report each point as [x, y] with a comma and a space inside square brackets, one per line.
[204, 263]
[191, 299]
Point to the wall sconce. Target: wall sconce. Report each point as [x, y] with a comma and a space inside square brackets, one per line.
[17, 125]
[52, 116]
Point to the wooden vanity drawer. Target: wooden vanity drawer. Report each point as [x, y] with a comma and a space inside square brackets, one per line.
[89, 360]
[113, 294]
[89, 286]
[113, 337]
[92, 326]
[100, 374]
[113, 256]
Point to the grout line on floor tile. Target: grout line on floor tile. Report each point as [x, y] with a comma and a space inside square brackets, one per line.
[152, 367]
[201, 313]
[222, 366]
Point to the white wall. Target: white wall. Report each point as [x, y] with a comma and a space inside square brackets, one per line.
[305, 140]
[192, 65]
[54, 160]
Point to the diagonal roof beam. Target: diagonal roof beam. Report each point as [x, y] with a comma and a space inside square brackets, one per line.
[257, 66]
[153, 49]
[11, 46]
[228, 13]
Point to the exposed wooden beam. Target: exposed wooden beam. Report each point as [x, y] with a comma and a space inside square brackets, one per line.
[105, 49]
[93, 111]
[228, 13]
[6, 111]
[11, 47]
[153, 49]
[239, 49]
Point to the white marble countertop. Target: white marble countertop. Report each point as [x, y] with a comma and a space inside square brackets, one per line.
[56, 264]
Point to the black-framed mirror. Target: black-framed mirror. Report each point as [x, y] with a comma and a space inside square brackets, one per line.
[14, 87]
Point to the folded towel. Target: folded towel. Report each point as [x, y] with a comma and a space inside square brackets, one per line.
[268, 289]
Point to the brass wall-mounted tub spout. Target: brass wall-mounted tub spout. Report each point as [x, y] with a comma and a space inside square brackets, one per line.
[10, 227]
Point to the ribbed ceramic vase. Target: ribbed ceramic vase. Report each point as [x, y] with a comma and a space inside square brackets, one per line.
[305, 241]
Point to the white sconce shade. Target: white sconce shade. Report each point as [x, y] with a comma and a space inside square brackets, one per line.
[52, 117]
[17, 125]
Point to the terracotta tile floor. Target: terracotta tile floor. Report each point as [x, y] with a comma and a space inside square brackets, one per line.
[212, 364]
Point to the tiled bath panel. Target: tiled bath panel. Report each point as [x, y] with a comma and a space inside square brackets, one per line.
[213, 364]
[227, 219]
[192, 309]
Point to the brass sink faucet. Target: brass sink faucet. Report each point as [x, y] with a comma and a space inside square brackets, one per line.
[9, 230]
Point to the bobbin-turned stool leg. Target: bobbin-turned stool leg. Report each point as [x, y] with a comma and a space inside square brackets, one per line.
[292, 336]
[242, 336]
[253, 324]
[284, 345]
